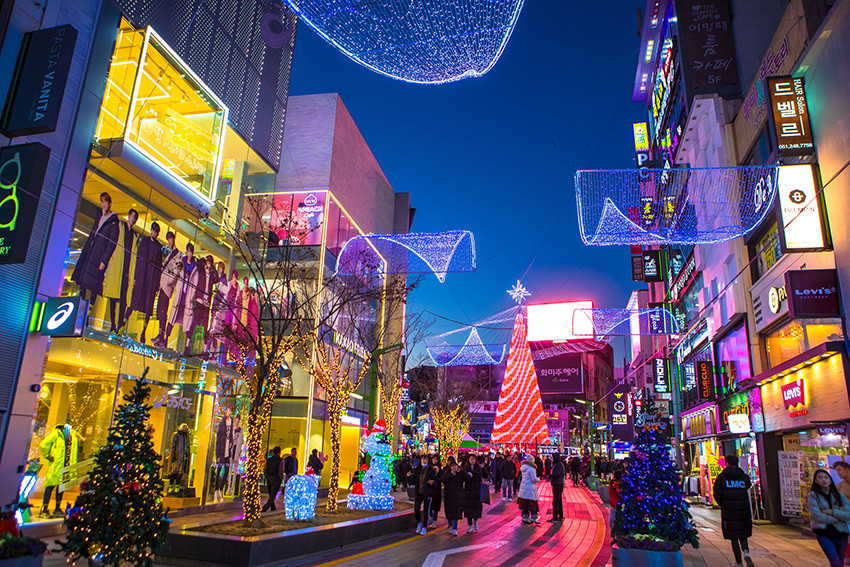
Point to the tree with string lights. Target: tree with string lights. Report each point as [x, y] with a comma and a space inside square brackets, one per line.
[118, 518]
[651, 512]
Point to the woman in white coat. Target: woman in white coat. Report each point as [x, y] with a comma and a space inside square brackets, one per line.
[527, 495]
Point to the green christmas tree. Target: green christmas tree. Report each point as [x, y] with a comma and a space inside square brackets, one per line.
[651, 510]
[118, 518]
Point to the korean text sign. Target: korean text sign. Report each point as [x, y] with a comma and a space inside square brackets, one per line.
[790, 113]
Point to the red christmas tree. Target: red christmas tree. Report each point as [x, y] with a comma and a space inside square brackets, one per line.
[520, 418]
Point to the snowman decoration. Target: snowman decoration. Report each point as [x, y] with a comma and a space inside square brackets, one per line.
[377, 481]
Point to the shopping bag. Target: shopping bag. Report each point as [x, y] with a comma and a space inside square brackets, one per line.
[411, 492]
[485, 493]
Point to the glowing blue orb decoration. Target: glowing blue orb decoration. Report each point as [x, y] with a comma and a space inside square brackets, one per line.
[418, 41]
[377, 482]
[610, 323]
[484, 342]
[673, 206]
[413, 253]
[299, 498]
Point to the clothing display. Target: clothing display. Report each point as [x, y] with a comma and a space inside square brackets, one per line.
[235, 456]
[116, 279]
[223, 447]
[172, 268]
[97, 250]
[147, 275]
[59, 449]
[180, 312]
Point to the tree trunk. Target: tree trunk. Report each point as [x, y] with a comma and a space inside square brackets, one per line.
[251, 498]
[336, 404]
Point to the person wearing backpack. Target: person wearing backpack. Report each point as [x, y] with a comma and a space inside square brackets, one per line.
[732, 494]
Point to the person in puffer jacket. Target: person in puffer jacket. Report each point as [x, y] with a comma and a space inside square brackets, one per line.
[829, 511]
[527, 495]
[732, 494]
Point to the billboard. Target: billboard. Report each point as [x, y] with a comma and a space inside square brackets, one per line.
[812, 293]
[621, 412]
[800, 224]
[709, 44]
[561, 374]
[556, 322]
[790, 116]
[22, 171]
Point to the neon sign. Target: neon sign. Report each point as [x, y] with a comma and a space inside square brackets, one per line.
[21, 167]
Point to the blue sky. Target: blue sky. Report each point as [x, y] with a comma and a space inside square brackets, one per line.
[496, 155]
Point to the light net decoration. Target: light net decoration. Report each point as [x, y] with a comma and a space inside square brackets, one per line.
[610, 323]
[485, 342]
[418, 41]
[672, 206]
[413, 253]
[520, 417]
[541, 350]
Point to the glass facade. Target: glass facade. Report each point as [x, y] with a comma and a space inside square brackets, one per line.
[800, 335]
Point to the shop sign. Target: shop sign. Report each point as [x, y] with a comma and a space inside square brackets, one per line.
[657, 321]
[38, 86]
[739, 423]
[709, 43]
[146, 351]
[561, 374]
[775, 297]
[637, 268]
[652, 270]
[641, 131]
[769, 297]
[685, 278]
[840, 430]
[228, 168]
[171, 400]
[800, 223]
[790, 116]
[737, 404]
[794, 393]
[698, 424]
[64, 316]
[812, 293]
[756, 411]
[705, 379]
[22, 170]
[621, 413]
[659, 372]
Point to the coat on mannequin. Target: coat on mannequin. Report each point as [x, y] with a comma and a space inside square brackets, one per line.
[116, 280]
[172, 269]
[97, 251]
[146, 276]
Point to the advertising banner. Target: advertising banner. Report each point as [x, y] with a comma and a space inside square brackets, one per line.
[709, 44]
[560, 374]
[812, 293]
[790, 116]
[22, 170]
[621, 412]
[789, 480]
[637, 268]
[38, 85]
[800, 224]
[652, 269]
[659, 373]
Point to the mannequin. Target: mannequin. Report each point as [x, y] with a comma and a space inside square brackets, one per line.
[98, 249]
[171, 271]
[117, 276]
[146, 277]
[59, 448]
[216, 306]
[179, 460]
[184, 293]
[223, 448]
[207, 279]
[220, 328]
[235, 454]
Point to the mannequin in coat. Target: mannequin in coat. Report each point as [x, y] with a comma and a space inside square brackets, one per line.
[179, 458]
[97, 251]
[227, 306]
[172, 269]
[59, 449]
[146, 277]
[116, 280]
[199, 310]
[180, 312]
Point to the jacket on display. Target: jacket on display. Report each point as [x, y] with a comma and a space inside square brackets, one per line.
[146, 276]
[528, 484]
[224, 303]
[172, 270]
[223, 438]
[59, 448]
[238, 442]
[97, 250]
[179, 453]
[116, 278]
[180, 312]
[732, 494]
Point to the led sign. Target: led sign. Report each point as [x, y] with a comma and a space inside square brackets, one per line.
[705, 379]
[738, 423]
[800, 217]
[641, 130]
[22, 170]
[554, 322]
[794, 393]
[659, 370]
[790, 114]
[64, 317]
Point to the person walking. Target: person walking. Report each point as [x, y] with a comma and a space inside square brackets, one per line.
[547, 466]
[316, 462]
[518, 465]
[508, 474]
[472, 507]
[433, 493]
[452, 494]
[273, 479]
[575, 470]
[829, 511]
[557, 477]
[614, 496]
[527, 495]
[416, 478]
[290, 466]
[732, 493]
[498, 461]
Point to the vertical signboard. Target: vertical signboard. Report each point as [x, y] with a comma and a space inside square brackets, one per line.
[38, 85]
[705, 379]
[22, 170]
[621, 411]
[652, 269]
[641, 131]
[561, 374]
[789, 115]
[637, 268]
[709, 44]
[800, 223]
[659, 373]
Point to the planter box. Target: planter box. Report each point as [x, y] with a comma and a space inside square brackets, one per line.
[25, 561]
[642, 558]
[602, 490]
[199, 549]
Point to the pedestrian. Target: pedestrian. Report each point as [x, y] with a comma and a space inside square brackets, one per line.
[290, 466]
[732, 494]
[452, 495]
[527, 495]
[829, 511]
[497, 472]
[547, 466]
[405, 468]
[432, 489]
[472, 507]
[508, 474]
[273, 479]
[557, 477]
[575, 470]
[316, 462]
[614, 496]
[416, 478]
[538, 462]
[518, 465]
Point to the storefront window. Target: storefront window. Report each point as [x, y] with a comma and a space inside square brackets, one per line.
[733, 356]
[800, 335]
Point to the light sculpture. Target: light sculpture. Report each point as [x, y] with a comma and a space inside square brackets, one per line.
[610, 323]
[673, 206]
[465, 346]
[377, 481]
[299, 500]
[418, 41]
[413, 253]
[519, 416]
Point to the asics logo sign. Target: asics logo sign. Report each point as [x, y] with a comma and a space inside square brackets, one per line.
[63, 313]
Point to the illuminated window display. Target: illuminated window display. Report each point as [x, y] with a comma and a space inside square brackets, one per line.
[800, 335]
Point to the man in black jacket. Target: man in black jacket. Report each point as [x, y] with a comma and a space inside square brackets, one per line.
[273, 480]
[557, 477]
[732, 494]
[509, 470]
[290, 466]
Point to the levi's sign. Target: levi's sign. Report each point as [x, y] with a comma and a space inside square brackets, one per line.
[794, 393]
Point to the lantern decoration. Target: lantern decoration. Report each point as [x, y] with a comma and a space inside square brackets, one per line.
[377, 481]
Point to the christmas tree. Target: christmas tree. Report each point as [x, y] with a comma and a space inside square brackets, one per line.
[118, 517]
[651, 510]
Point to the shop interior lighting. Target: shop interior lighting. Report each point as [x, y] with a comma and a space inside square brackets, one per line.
[673, 206]
[419, 41]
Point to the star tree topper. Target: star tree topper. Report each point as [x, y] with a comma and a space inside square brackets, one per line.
[518, 292]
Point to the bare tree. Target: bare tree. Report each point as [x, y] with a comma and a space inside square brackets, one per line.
[449, 403]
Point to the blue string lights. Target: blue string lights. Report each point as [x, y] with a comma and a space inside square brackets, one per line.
[299, 500]
[465, 346]
[610, 323]
[418, 41]
[673, 206]
[377, 481]
[472, 352]
[413, 253]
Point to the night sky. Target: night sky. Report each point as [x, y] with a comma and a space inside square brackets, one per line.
[496, 155]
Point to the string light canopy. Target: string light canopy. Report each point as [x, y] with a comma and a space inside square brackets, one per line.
[417, 41]
[484, 342]
[610, 323]
[413, 253]
[673, 206]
